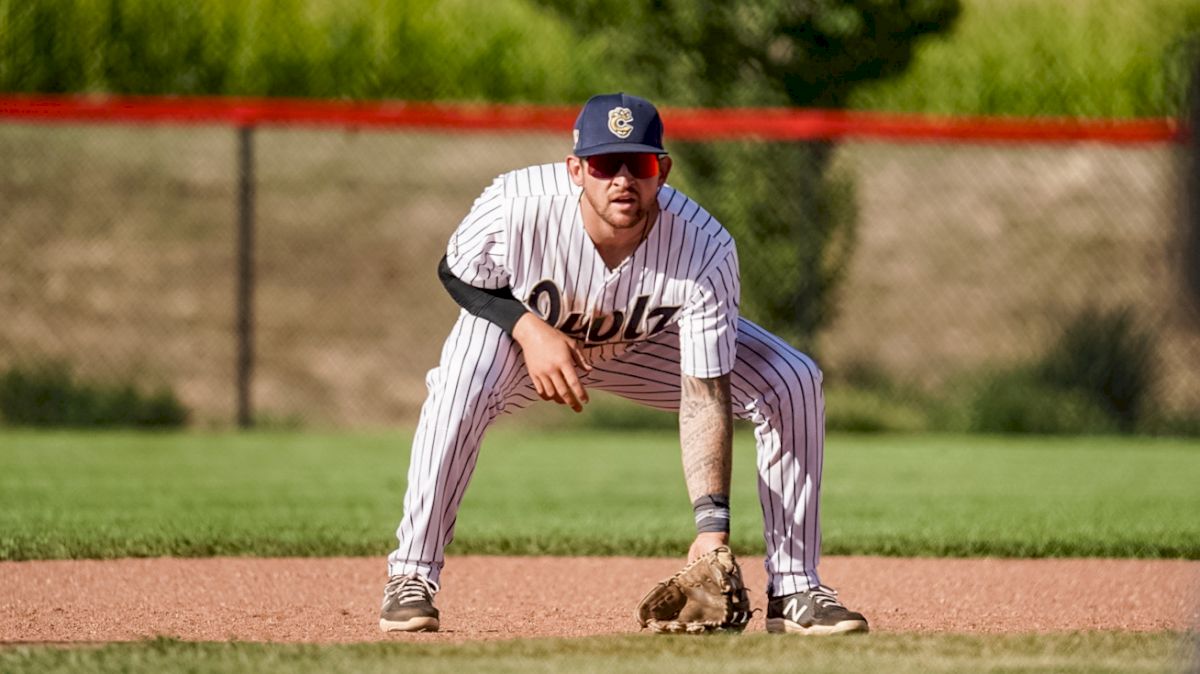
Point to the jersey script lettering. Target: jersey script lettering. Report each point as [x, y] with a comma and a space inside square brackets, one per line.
[546, 300]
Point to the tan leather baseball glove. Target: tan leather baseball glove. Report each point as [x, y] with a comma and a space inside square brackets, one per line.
[707, 595]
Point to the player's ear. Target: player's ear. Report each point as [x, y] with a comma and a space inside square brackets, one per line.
[664, 167]
[575, 169]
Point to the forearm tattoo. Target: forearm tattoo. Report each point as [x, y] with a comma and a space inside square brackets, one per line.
[706, 435]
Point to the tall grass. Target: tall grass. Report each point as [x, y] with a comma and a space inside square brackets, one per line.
[1099, 58]
[413, 49]
[1110, 58]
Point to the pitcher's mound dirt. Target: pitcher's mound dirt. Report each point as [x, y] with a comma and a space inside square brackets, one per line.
[337, 600]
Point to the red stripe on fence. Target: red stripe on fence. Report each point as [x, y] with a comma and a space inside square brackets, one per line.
[681, 123]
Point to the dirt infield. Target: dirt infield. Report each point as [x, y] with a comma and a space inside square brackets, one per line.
[336, 600]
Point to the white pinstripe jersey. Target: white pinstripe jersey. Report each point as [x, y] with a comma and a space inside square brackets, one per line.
[526, 231]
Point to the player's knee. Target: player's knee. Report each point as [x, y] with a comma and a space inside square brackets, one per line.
[795, 390]
[808, 376]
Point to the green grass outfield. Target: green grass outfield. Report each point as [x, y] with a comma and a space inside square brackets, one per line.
[1090, 652]
[103, 495]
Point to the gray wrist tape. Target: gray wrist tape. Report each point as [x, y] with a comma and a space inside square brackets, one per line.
[712, 513]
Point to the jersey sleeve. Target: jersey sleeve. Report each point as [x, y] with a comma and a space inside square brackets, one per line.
[478, 249]
[708, 323]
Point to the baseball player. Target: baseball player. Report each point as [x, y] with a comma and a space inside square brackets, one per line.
[595, 274]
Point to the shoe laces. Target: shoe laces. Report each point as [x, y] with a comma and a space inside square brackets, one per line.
[410, 588]
[825, 597]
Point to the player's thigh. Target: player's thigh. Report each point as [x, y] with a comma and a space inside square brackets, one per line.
[647, 373]
[479, 360]
[770, 374]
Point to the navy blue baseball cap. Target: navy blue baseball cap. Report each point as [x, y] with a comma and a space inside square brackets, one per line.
[621, 122]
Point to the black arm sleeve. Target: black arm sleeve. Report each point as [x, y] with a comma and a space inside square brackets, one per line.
[497, 306]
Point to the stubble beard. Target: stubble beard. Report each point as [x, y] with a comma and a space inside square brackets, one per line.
[640, 218]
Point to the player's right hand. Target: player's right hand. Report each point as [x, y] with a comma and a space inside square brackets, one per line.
[551, 358]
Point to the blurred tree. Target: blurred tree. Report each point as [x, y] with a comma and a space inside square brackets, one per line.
[793, 219]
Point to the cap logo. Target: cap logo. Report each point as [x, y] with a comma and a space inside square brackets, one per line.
[620, 122]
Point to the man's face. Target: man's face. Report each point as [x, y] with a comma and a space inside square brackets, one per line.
[621, 188]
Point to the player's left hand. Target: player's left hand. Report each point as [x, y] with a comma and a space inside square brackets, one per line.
[707, 542]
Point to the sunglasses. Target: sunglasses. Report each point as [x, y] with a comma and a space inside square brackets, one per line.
[641, 165]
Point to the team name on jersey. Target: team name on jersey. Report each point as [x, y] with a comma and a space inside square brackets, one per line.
[637, 322]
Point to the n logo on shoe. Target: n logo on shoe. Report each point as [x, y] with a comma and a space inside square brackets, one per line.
[793, 609]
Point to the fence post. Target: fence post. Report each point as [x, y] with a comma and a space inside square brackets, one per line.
[245, 276]
[1191, 188]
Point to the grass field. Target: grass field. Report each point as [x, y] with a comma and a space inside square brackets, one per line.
[81, 495]
[1091, 652]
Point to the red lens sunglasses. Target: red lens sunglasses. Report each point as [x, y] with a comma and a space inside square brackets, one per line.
[641, 165]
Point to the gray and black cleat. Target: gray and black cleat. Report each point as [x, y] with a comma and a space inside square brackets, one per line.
[408, 605]
[816, 611]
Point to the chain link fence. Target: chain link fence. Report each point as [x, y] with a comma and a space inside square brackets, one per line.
[118, 258]
[972, 257]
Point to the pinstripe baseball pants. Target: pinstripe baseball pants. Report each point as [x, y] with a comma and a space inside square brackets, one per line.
[482, 375]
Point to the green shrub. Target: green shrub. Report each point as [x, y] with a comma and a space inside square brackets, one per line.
[418, 49]
[1099, 58]
[48, 395]
[1107, 356]
[1097, 377]
[1020, 401]
[865, 410]
[1171, 424]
